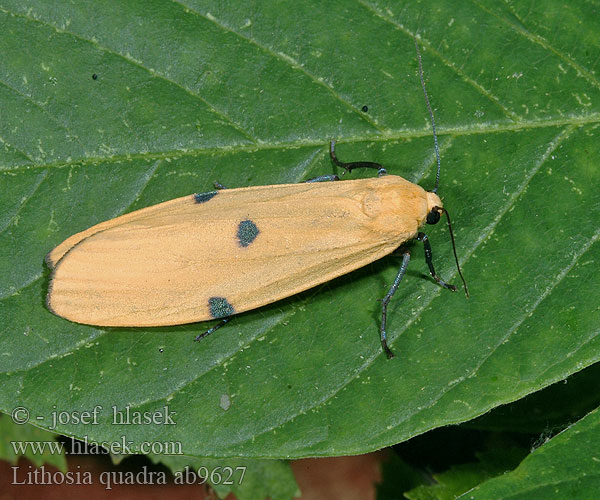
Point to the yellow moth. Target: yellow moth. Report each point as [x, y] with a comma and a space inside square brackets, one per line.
[212, 255]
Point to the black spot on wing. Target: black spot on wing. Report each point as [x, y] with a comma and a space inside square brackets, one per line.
[219, 307]
[247, 232]
[204, 197]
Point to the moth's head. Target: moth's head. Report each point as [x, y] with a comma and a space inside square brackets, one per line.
[435, 208]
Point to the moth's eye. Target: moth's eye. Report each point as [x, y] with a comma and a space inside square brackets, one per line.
[433, 217]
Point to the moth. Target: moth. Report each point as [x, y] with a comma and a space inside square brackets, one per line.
[212, 255]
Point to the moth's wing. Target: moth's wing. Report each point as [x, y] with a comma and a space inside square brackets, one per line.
[58, 252]
[239, 250]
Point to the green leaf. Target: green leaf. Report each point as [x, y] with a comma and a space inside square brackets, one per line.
[189, 92]
[246, 479]
[502, 454]
[547, 411]
[397, 476]
[564, 467]
[37, 445]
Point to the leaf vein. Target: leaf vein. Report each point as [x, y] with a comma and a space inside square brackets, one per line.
[12, 147]
[482, 90]
[28, 98]
[404, 134]
[539, 40]
[220, 113]
[25, 200]
[289, 60]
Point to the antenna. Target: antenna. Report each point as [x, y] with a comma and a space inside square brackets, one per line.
[435, 141]
[437, 176]
[454, 250]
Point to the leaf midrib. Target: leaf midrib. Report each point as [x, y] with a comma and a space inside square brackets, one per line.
[490, 128]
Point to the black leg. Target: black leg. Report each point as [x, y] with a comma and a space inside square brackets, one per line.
[355, 164]
[348, 166]
[428, 258]
[324, 178]
[213, 329]
[386, 301]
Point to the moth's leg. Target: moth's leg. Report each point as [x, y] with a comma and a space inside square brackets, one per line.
[349, 166]
[386, 301]
[213, 329]
[324, 178]
[204, 197]
[346, 166]
[428, 258]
